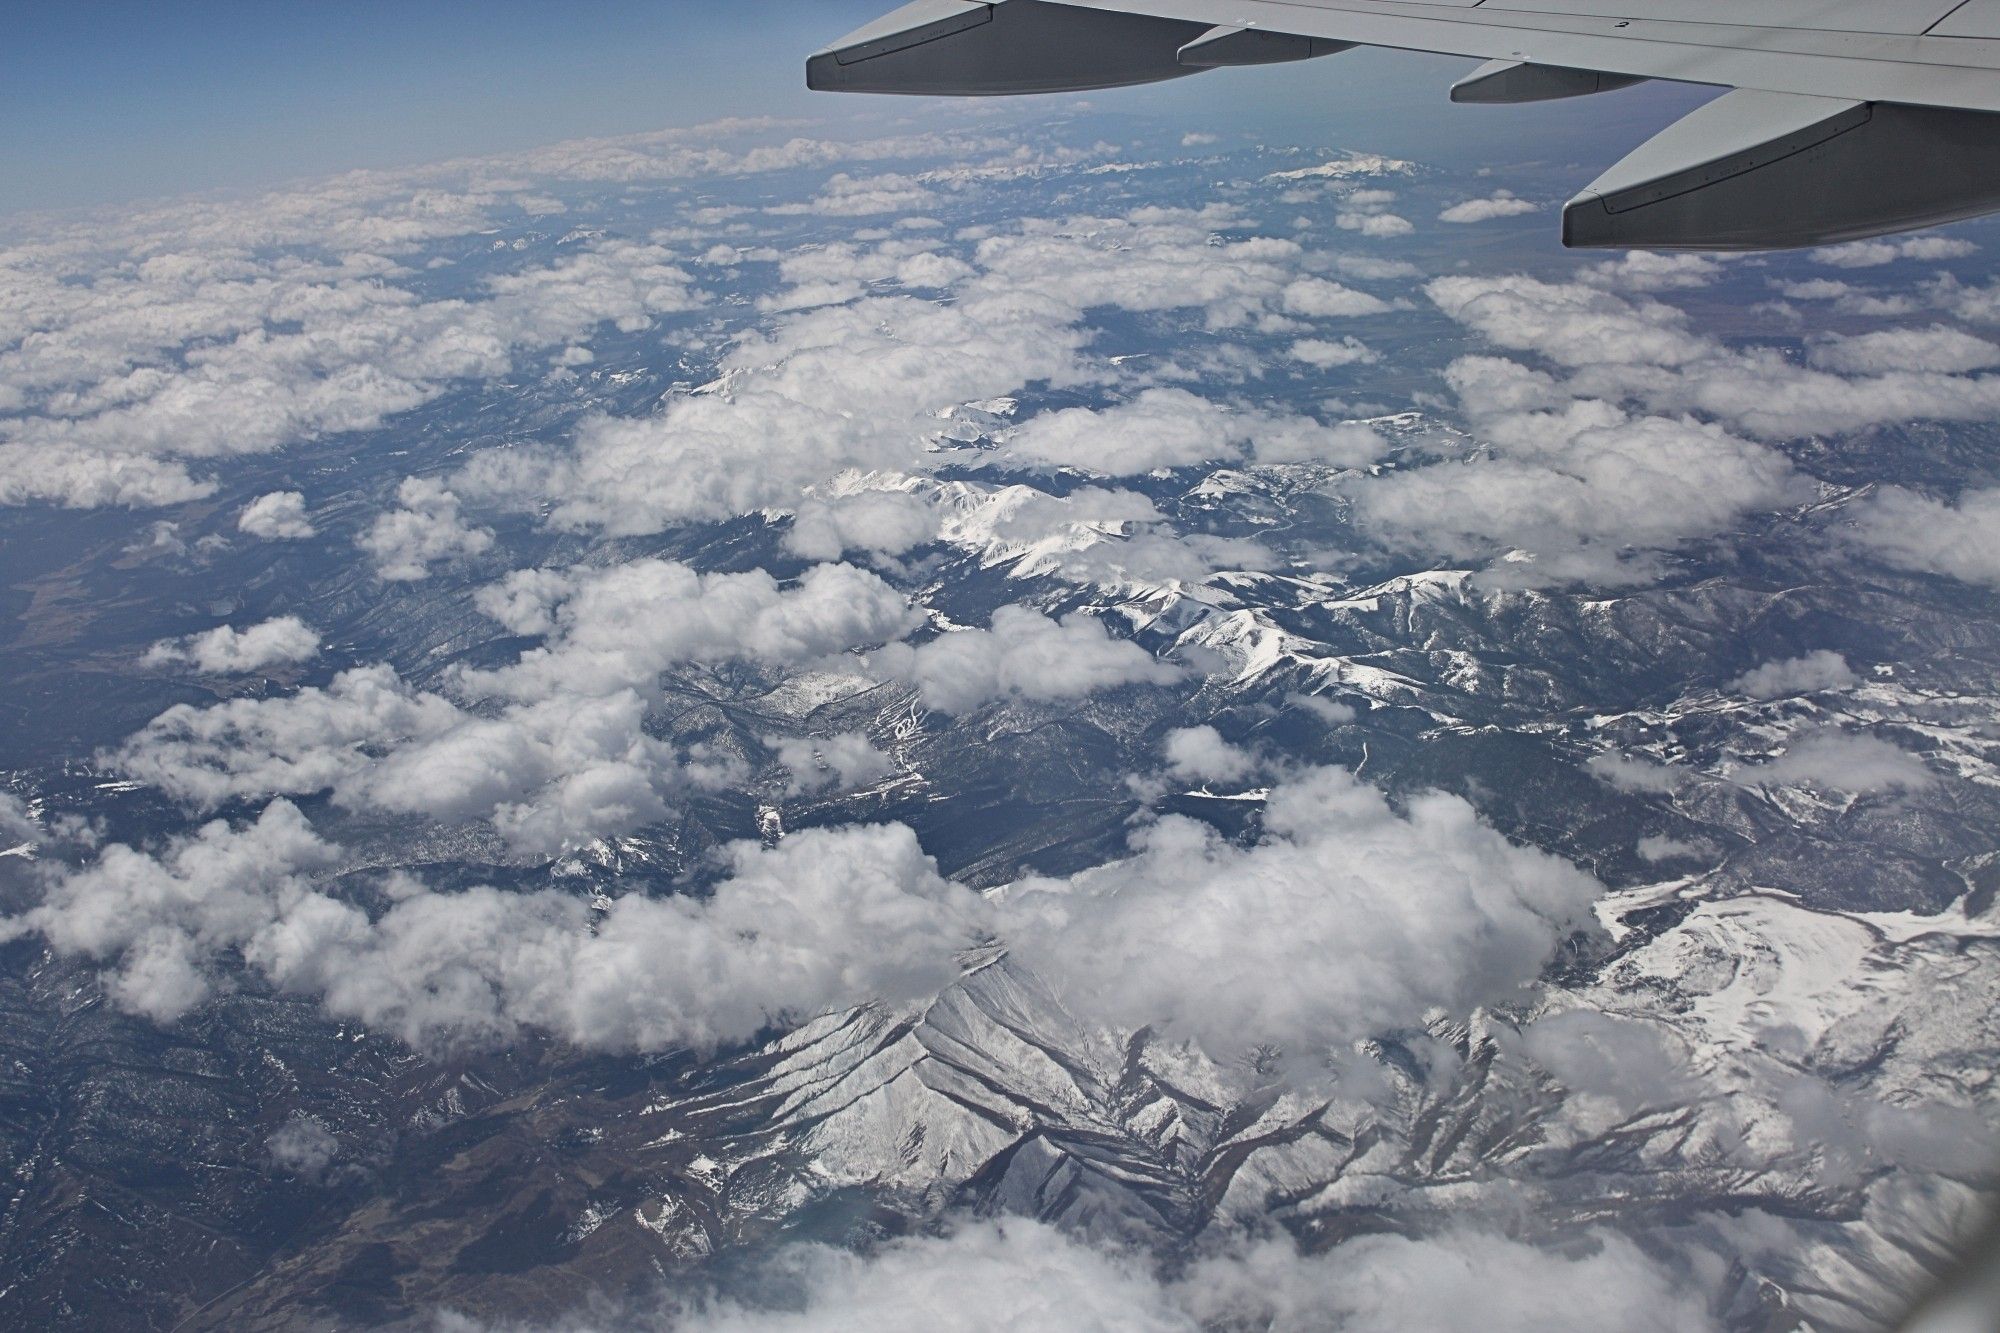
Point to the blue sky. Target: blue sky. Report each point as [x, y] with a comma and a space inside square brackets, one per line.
[110, 100]
[104, 100]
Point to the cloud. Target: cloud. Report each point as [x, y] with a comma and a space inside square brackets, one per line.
[207, 356]
[1571, 324]
[1201, 754]
[1025, 655]
[1317, 298]
[285, 641]
[841, 762]
[1815, 671]
[859, 386]
[1657, 847]
[561, 754]
[1587, 491]
[426, 530]
[302, 1147]
[848, 196]
[1169, 428]
[1872, 254]
[1840, 761]
[1629, 773]
[1371, 918]
[1938, 349]
[888, 522]
[1371, 224]
[278, 516]
[826, 919]
[1913, 532]
[160, 919]
[1018, 1275]
[1460, 1279]
[1500, 204]
[1326, 355]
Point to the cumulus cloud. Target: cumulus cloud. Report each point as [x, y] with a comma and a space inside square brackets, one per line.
[426, 530]
[199, 356]
[285, 641]
[1914, 532]
[889, 522]
[1018, 1275]
[1326, 355]
[1201, 754]
[1317, 298]
[827, 918]
[840, 762]
[1644, 418]
[847, 196]
[1872, 254]
[1371, 917]
[278, 516]
[560, 754]
[1587, 491]
[1499, 204]
[1823, 669]
[1630, 773]
[1937, 348]
[1461, 1279]
[860, 385]
[302, 1147]
[1025, 655]
[1840, 761]
[1373, 224]
[1168, 428]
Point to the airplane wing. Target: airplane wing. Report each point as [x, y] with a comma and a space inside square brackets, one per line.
[1844, 119]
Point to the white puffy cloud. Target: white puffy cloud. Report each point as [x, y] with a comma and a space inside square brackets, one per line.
[828, 918]
[618, 628]
[859, 385]
[1373, 224]
[200, 329]
[1914, 532]
[1010, 1275]
[1201, 754]
[1326, 355]
[302, 1147]
[560, 755]
[1018, 1275]
[1370, 917]
[1872, 254]
[847, 196]
[427, 529]
[1318, 298]
[889, 522]
[224, 650]
[1648, 271]
[850, 386]
[278, 516]
[1588, 492]
[159, 920]
[1841, 761]
[1823, 669]
[1499, 204]
[1630, 773]
[1025, 655]
[840, 762]
[1461, 1279]
[1168, 428]
[1569, 323]
[1937, 349]
[199, 356]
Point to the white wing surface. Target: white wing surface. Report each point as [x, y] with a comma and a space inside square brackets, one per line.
[1848, 118]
